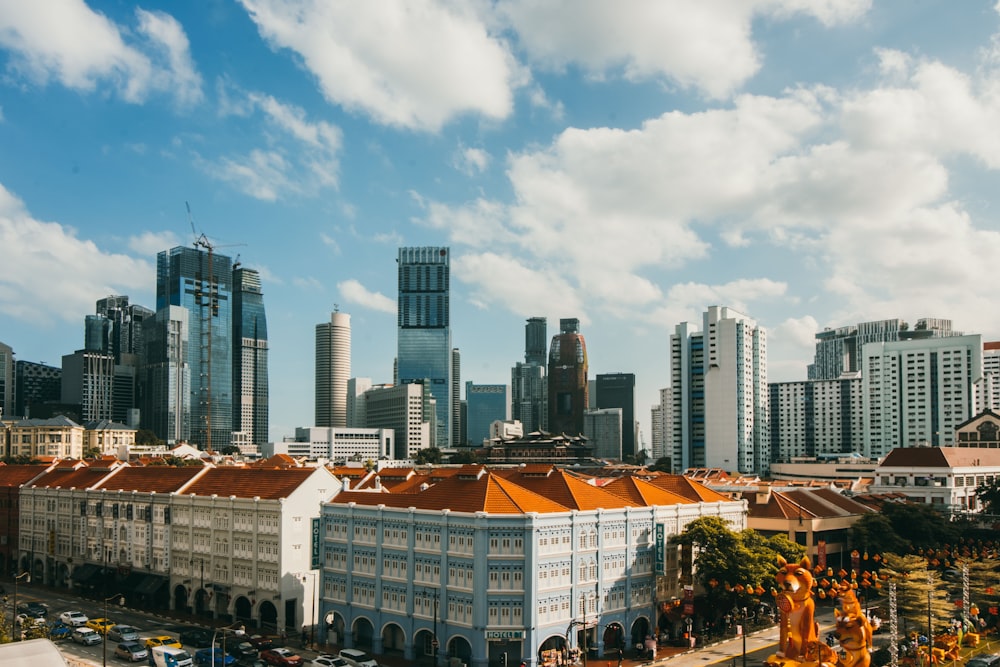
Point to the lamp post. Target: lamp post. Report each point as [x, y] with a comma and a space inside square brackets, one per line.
[315, 602]
[27, 579]
[119, 599]
[743, 631]
[202, 563]
[930, 587]
[226, 628]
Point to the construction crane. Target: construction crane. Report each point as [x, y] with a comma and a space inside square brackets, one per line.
[207, 296]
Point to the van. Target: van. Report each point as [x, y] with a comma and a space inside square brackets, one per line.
[169, 656]
[356, 658]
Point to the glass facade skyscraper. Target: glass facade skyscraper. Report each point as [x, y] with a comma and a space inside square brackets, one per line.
[250, 351]
[424, 351]
[202, 283]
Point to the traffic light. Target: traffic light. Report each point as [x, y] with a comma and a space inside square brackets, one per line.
[503, 659]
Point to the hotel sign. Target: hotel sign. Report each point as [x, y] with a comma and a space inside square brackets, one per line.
[661, 551]
[315, 544]
[504, 634]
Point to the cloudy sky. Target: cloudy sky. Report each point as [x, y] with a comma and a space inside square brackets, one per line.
[811, 163]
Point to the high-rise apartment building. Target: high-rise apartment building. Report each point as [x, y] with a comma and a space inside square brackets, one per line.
[916, 392]
[251, 403]
[838, 351]
[486, 403]
[813, 418]
[617, 390]
[333, 370]
[126, 321]
[202, 283]
[35, 385]
[661, 425]
[529, 398]
[604, 429]
[535, 341]
[719, 383]
[405, 409]
[424, 350]
[988, 389]
[567, 379]
[458, 415]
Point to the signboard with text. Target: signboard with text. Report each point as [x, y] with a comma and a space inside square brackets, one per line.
[315, 544]
[661, 551]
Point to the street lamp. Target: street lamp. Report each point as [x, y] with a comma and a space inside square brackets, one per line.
[312, 625]
[119, 599]
[27, 579]
[202, 563]
[227, 628]
[743, 631]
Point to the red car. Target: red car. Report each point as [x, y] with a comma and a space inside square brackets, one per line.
[282, 657]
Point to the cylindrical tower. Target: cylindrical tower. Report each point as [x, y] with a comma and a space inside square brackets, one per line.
[333, 370]
[567, 379]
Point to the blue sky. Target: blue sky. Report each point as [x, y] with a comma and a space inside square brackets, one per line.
[811, 163]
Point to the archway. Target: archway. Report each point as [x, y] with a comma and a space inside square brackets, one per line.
[640, 630]
[423, 646]
[243, 611]
[363, 633]
[393, 639]
[614, 637]
[334, 624]
[459, 647]
[553, 650]
[180, 598]
[268, 616]
[200, 602]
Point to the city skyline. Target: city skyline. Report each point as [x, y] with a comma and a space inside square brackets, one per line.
[809, 166]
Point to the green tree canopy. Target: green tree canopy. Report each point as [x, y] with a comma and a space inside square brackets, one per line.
[918, 589]
[989, 495]
[874, 533]
[430, 455]
[146, 437]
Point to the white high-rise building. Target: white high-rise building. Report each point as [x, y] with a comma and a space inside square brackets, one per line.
[333, 369]
[407, 409]
[661, 425]
[988, 389]
[816, 417]
[917, 392]
[719, 381]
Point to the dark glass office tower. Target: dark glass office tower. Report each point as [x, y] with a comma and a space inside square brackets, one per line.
[567, 379]
[202, 283]
[535, 341]
[617, 390]
[250, 387]
[424, 351]
[528, 388]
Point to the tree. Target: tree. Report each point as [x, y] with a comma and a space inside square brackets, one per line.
[430, 455]
[663, 464]
[916, 589]
[146, 437]
[874, 533]
[726, 561]
[229, 450]
[464, 456]
[989, 495]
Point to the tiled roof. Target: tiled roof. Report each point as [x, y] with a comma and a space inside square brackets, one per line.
[265, 483]
[490, 493]
[68, 478]
[641, 493]
[690, 489]
[806, 503]
[566, 489]
[16, 475]
[155, 479]
[277, 461]
[941, 457]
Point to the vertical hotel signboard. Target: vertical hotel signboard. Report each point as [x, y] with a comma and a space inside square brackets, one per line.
[315, 544]
[661, 550]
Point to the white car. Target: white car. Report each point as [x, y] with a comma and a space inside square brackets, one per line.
[73, 619]
[328, 660]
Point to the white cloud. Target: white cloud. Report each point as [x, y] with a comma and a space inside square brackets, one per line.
[150, 243]
[695, 44]
[67, 42]
[411, 64]
[47, 272]
[302, 156]
[471, 161]
[521, 289]
[354, 292]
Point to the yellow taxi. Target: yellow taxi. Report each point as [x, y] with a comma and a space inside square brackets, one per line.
[101, 625]
[163, 640]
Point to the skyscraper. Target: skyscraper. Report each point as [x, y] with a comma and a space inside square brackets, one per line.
[250, 360]
[202, 282]
[333, 370]
[6, 381]
[487, 403]
[166, 375]
[617, 390]
[567, 379]
[424, 350]
[719, 380]
[528, 387]
[535, 341]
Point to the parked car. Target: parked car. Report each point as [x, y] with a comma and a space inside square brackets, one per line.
[262, 642]
[984, 660]
[163, 640]
[251, 662]
[357, 658]
[282, 657]
[33, 609]
[123, 633]
[131, 651]
[59, 630]
[328, 660]
[196, 637]
[74, 619]
[213, 657]
[100, 625]
[86, 636]
[242, 649]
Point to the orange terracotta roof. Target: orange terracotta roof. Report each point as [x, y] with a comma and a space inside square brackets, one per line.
[566, 489]
[67, 478]
[345, 471]
[266, 483]
[687, 488]
[17, 474]
[277, 461]
[643, 493]
[489, 493]
[155, 479]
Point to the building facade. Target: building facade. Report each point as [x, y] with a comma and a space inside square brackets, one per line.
[424, 350]
[567, 379]
[719, 380]
[35, 385]
[407, 410]
[251, 393]
[201, 282]
[816, 417]
[166, 399]
[916, 392]
[604, 429]
[661, 425]
[333, 370]
[444, 574]
[486, 403]
[528, 383]
[342, 444]
[6, 380]
[617, 390]
[56, 437]
[943, 477]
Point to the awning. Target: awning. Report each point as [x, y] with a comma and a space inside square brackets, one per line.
[84, 572]
[150, 584]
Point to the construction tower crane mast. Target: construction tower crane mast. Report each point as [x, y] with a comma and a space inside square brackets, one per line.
[207, 297]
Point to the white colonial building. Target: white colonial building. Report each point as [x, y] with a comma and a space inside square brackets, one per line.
[943, 477]
[519, 564]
